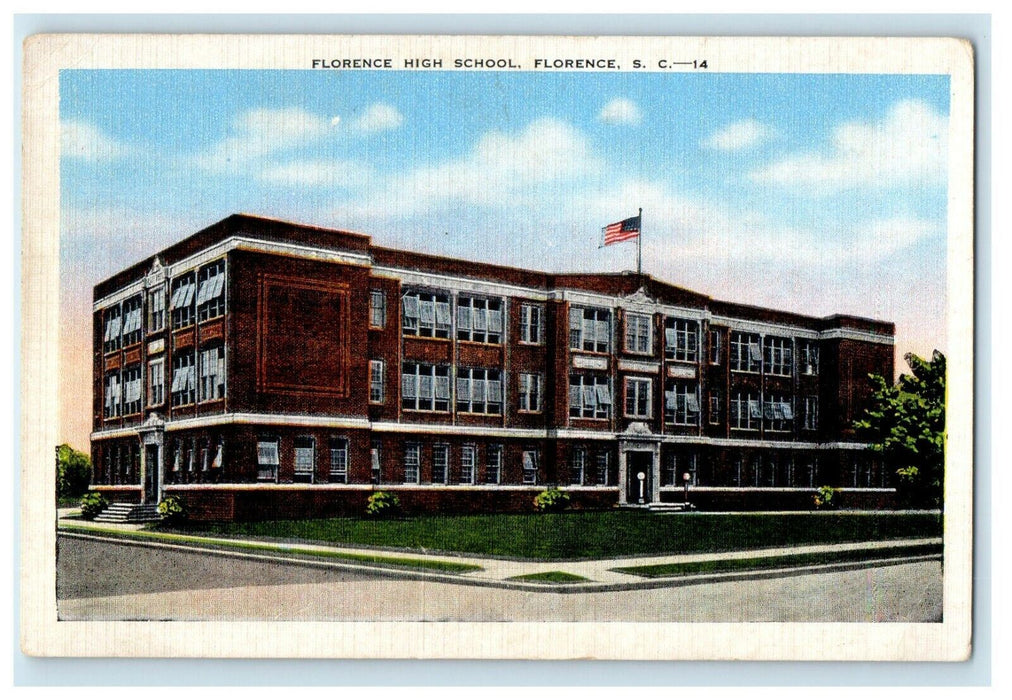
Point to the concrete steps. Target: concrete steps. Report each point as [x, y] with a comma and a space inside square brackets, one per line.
[129, 513]
[670, 507]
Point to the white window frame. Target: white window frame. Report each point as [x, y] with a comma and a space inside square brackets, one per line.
[639, 397]
[211, 291]
[529, 392]
[377, 308]
[590, 329]
[532, 324]
[183, 293]
[184, 379]
[778, 355]
[578, 465]
[132, 331]
[338, 461]
[714, 337]
[530, 461]
[132, 379]
[425, 388]
[440, 463]
[809, 358]
[212, 373]
[300, 453]
[713, 414]
[778, 413]
[639, 334]
[480, 319]
[602, 468]
[468, 464]
[746, 352]
[479, 390]
[681, 403]
[156, 381]
[681, 340]
[746, 411]
[586, 392]
[113, 395]
[412, 462]
[377, 381]
[268, 459]
[426, 314]
[811, 417]
[156, 310]
[493, 464]
[113, 324]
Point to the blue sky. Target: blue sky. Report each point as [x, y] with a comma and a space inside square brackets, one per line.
[813, 193]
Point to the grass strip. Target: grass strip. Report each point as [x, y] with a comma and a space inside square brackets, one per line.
[550, 577]
[710, 566]
[433, 564]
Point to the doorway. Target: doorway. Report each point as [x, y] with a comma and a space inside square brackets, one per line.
[152, 472]
[639, 476]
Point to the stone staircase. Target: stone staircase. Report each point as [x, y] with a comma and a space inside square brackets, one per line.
[670, 507]
[129, 513]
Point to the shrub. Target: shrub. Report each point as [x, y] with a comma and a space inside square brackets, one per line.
[551, 501]
[172, 509]
[73, 472]
[825, 499]
[92, 503]
[383, 504]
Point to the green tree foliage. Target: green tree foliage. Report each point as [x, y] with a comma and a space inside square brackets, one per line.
[73, 472]
[906, 426]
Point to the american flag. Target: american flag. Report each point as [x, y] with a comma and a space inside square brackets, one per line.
[624, 230]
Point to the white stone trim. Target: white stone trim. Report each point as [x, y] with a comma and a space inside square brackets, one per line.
[119, 296]
[763, 328]
[467, 430]
[114, 433]
[625, 365]
[459, 284]
[771, 489]
[276, 419]
[851, 334]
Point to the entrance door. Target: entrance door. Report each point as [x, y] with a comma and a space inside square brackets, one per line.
[152, 472]
[639, 476]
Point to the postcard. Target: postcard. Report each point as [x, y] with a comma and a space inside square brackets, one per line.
[497, 347]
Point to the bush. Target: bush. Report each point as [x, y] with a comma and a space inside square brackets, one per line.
[73, 472]
[172, 509]
[92, 503]
[551, 501]
[825, 499]
[383, 504]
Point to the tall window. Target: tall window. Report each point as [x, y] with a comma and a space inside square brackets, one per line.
[532, 323]
[638, 403]
[809, 357]
[714, 336]
[493, 464]
[156, 382]
[377, 308]
[529, 398]
[132, 390]
[577, 465]
[745, 352]
[183, 293]
[637, 334]
[675, 465]
[412, 462]
[479, 390]
[746, 412]
[113, 326]
[426, 315]
[212, 373]
[530, 461]
[132, 321]
[184, 379]
[268, 459]
[589, 396]
[440, 463]
[305, 458]
[156, 310]
[113, 395]
[479, 320]
[811, 417]
[779, 356]
[375, 460]
[211, 291]
[338, 461]
[681, 340]
[468, 460]
[590, 329]
[377, 382]
[602, 468]
[681, 403]
[714, 412]
[425, 387]
[778, 412]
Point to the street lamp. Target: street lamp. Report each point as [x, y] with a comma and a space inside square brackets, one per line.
[685, 478]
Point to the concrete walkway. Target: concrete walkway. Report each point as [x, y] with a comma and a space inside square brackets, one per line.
[599, 574]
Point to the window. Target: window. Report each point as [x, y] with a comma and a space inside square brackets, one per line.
[529, 398]
[467, 462]
[676, 464]
[211, 291]
[778, 412]
[577, 465]
[746, 412]
[268, 459]
[589, 396]
[590, 329]
[479, 391]
[637, 334]
[809, 357]
[681, 403]
[156, 382]
[493, 464]
[212, 373]
[681, 340]
[638, 402]
[426, 315]
[184, 380]
[182, 301]
[377, 383]
[374, 461]
[714, 336]
[714, 413]
[338, 461]
[132, 330]
[132, 390]
[602, 464]
[305, 458]
[113, 395]
[440, 463]
[425, 387]
[156, 310]
[479, 320]
[745, 353]
[779, 355]
[377, 308]
[530, 460]
[113, 325]
[532, 324]
[811, 416]
[412, 462]
[810, 471]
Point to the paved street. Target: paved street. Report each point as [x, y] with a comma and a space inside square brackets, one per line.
[108, 581]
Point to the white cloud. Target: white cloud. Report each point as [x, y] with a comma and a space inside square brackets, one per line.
[378, 117]
[87, 142]
[620, 111]
[908, 146]
[739, 135]
[317, 173]
[261, 132]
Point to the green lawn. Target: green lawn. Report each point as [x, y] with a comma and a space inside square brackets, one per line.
[550, 577]
[593, 534]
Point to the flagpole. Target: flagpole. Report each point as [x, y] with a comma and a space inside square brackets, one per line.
[639, 246]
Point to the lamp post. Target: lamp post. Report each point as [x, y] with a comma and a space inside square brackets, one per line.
[685, 478]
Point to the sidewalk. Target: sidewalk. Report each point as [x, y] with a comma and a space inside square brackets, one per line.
[597, 575]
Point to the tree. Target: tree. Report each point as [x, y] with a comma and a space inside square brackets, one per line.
[73, 472]
[906, 426]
